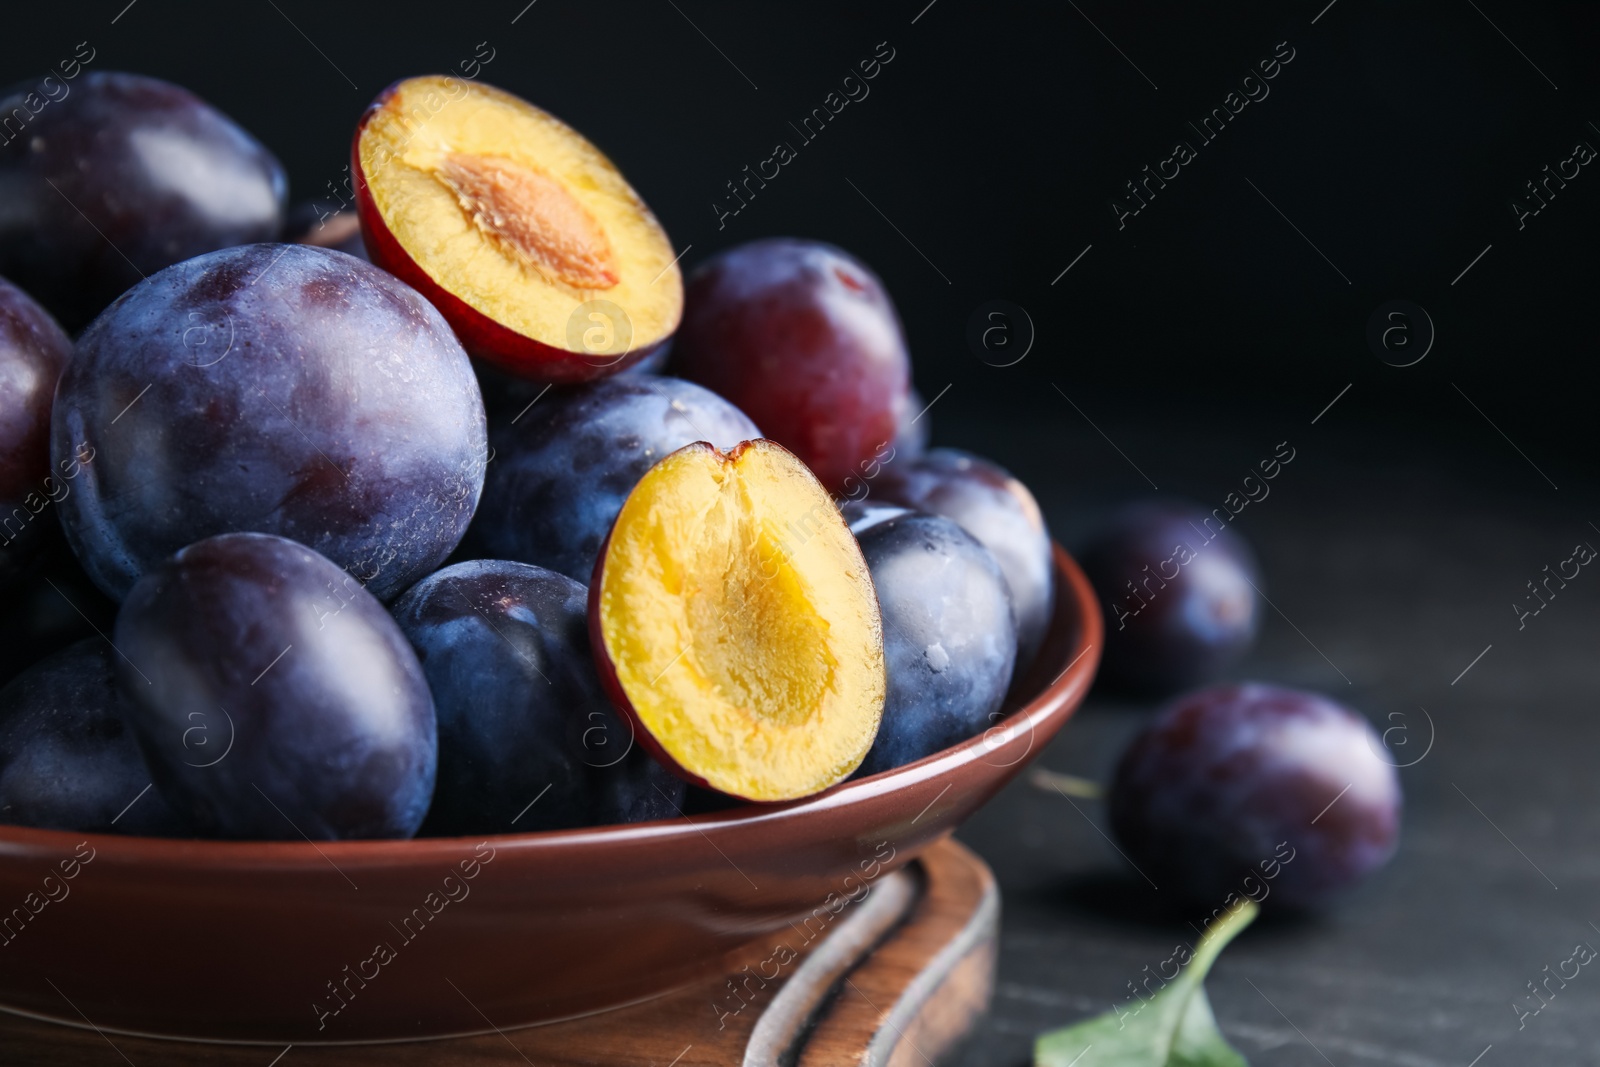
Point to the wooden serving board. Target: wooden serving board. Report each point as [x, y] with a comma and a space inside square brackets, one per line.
[898, 981]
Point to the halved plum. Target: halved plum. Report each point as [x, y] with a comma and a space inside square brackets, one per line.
[521, 232]
[734, 620]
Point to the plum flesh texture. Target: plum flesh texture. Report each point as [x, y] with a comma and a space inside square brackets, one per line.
[949, 642]
[118, 178]
[564, 467]
[520, 231]
[1256, 790]
[527, 737]
[315, 716]
[803, 338]
[278, 389]
[67, 759]
[33, 351]
[733, 620]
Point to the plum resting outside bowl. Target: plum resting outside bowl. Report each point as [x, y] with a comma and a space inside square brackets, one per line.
[264, 941]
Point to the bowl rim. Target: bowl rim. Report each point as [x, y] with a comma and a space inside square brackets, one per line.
[1060, 696]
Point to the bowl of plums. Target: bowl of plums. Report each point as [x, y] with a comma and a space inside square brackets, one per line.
[435, 584]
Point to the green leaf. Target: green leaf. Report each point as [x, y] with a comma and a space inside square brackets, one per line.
[1174, 1028]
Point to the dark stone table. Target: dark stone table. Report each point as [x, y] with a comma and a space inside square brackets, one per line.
[1393, 553]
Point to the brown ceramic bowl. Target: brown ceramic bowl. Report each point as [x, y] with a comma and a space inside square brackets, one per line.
[349, 941]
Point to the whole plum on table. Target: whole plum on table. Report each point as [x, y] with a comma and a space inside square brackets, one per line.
[985, 500]
[564, 467]
[274, 697]
[1256, 790]
[33, 350]
[948, 638]
[527, 737]
[113, 177]
[1179, 596]
[67, 759]
[803, 338]
[279, 389]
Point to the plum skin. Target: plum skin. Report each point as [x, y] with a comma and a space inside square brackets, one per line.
[280, 389]
[1179, 596]
[33, 351]
[801, 336]
[563, 469]
[273, 697]
[67, 759]
[159, 175]
[949, 640]
[522, 715]
[985, 500]
[1208, 794]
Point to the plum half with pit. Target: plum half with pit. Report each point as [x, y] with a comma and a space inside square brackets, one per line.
[1178, 590]
[274, 697]
[33, 351]
[112, 177]
[949, 643]
[566, 462]
[67, 759]
[527, 737]
[1256, 790]
[805, 340]
[279, 389]
[520, 231]
[984, 499]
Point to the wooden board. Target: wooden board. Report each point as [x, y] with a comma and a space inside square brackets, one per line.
[900, 980]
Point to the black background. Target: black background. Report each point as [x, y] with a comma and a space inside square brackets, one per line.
[1395, 140]
[1195, 339]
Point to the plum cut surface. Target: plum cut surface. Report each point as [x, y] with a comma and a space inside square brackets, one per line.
[523, 233]
[736, 621]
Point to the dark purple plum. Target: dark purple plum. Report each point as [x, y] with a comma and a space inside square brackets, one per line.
[803, 337]
[563, 467]
[1179, 594]
[985, 500]
[67, 759]
[111, 177]
[326, 224]
[273, 696]
[278, 389]
[33, 351]
[949, 641]
[1256, 790]
[527, 738]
